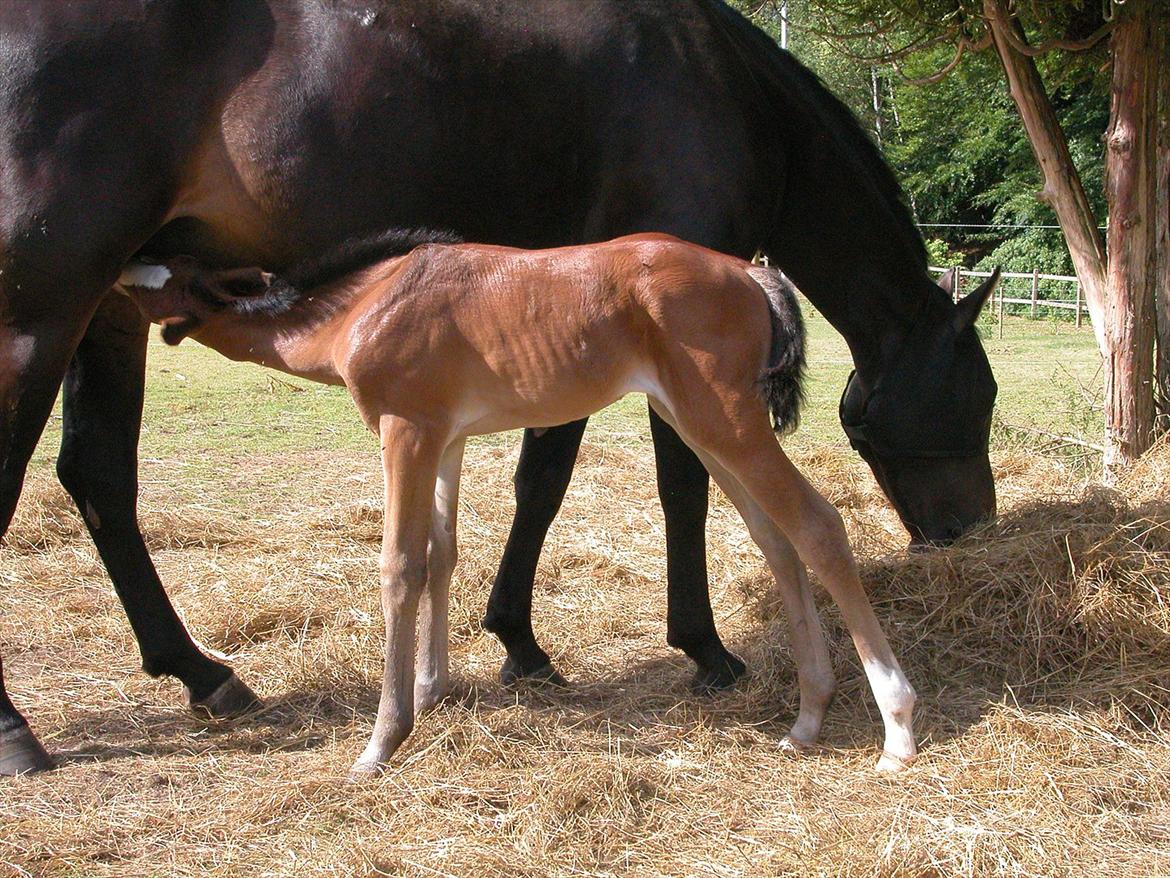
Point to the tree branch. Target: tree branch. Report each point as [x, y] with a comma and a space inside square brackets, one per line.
[1034, 51]
[964, 45]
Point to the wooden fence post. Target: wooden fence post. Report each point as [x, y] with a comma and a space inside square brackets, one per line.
[1001, 297]
[1035, 290]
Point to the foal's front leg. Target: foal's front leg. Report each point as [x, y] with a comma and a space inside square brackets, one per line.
[432, 673]
[410, 462]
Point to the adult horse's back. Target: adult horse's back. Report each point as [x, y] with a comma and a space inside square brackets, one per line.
[258, 131]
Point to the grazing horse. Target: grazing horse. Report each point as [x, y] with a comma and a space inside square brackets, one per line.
[456, 340]
[256, 132]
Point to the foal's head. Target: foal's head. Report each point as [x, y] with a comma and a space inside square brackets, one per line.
[181, 294]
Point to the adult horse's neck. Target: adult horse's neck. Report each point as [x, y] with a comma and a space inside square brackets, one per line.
[843, 232]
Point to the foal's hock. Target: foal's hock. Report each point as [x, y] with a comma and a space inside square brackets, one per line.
[452, 340]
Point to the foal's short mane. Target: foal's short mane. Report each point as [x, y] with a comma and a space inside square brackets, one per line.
[291, 286]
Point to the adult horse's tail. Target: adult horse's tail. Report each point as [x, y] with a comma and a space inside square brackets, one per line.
[782, 381]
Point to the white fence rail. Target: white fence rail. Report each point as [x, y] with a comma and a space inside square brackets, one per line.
[1029, 281]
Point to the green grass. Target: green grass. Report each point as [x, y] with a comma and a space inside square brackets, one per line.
[201, 407]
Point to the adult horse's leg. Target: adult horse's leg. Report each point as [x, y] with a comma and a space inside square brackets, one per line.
[34, 351]
[690, 624]
[542, 477]
[98, 466]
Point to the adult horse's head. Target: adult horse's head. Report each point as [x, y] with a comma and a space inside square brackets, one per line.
[921, 418]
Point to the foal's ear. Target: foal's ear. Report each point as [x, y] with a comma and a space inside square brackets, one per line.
[242, 283]
[967, 311]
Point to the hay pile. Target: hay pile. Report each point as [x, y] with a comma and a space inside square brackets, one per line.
[1040, 649]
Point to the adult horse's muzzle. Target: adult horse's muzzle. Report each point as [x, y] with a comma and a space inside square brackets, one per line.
[940, 483]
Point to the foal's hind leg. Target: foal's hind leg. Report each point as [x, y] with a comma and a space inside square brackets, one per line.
[731, 426]
[816, 530]
[432, 670]
[814, 669]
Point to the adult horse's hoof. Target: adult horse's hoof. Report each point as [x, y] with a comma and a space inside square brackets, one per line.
[232, 698]
[720, 677]
[511, 674]
[22, 753]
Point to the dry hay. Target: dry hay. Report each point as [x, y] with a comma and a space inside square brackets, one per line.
[1040, 648]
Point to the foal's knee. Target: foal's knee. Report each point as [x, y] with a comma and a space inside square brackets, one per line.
[403, 579]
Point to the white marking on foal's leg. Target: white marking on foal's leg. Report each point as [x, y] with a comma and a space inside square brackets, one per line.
[895, 697]
[144, 275]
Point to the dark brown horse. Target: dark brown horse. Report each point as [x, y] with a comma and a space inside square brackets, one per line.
[258, 131]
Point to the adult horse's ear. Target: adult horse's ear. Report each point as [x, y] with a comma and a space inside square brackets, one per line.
[947, 283]
[242, 283]
[967, 311]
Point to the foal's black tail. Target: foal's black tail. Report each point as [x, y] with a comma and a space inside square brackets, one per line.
[782, 381]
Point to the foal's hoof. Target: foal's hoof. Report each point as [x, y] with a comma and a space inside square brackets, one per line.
[362, 771]
[891, 764]
[790, 745]
[22, 753]
[511, 674]
[719, 677]
[232, 698]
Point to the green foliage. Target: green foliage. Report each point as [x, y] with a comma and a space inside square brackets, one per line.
[939, 253]
[958, 145]
[1042, 249]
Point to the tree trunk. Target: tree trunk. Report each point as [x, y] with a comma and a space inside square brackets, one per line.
[1062, 183]
[1119, 290]
[1130, 189]
[1162, 226]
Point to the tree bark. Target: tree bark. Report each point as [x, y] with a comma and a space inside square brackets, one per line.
[1130, 189]
[1162, 225]
[1119, 290]
[1062, 183]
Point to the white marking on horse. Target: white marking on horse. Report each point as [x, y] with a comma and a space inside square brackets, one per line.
[21, 349]
[141, 274]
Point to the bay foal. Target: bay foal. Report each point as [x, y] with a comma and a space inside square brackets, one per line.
[451, 340]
